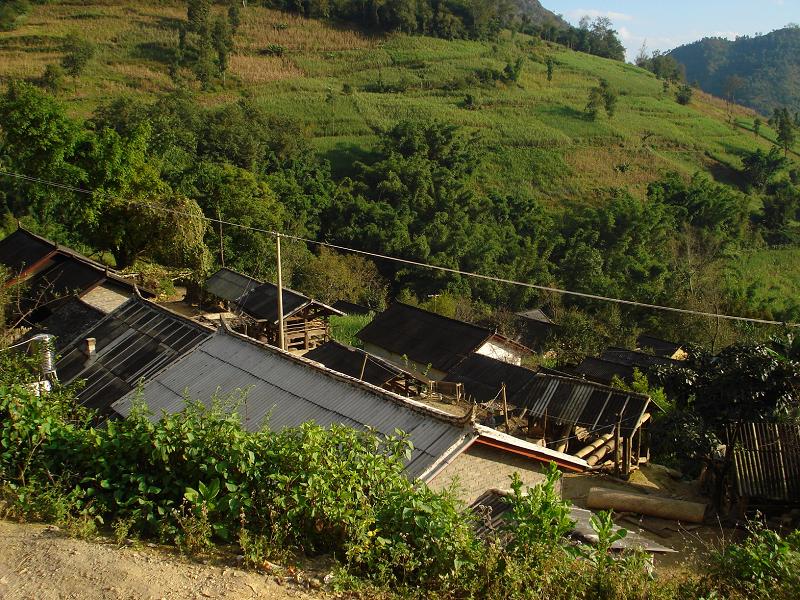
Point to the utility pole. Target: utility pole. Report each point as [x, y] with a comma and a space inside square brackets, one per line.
[281, 340]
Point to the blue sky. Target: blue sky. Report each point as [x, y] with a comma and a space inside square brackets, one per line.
[666, 24]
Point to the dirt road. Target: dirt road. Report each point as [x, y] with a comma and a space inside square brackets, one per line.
[38, 562]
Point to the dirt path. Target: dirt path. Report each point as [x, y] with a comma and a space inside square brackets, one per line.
[38, 562]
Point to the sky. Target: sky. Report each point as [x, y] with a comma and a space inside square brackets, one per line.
[666, 24]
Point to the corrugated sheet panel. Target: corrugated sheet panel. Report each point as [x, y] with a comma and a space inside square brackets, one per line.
[285, 391]
[133, 342]
[347, 360]
[663, 348]
[22, 249]
[483, 376]
[569, 400]
[603, 371]
[424, 337]
[767, 461]
[632, 358]
[262, 302]
[230, 285]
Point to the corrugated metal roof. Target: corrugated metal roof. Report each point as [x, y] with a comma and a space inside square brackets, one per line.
[493, 507]
[66, 320]
[574, 401]
[535, 314]
[767, 461]
[230, 285]
[287, 391]
[345, 359]
[663, 348]
[603, 371]
[349, 308]
[21, 250]
[133, 342]
[483, 376]
[632, 358]
[424, 337]
[261, 303]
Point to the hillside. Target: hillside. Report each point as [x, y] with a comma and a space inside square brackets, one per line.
[768, 66]
[539, 140]
[527, 199]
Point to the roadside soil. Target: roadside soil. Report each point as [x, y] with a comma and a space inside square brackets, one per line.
[39, 562]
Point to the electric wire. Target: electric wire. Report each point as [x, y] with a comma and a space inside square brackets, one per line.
[423, 265]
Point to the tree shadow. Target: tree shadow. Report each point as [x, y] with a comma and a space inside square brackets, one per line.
[170, 23]
[155, 51]
[344, 155]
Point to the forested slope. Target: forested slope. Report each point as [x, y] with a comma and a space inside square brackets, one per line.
[762, 72]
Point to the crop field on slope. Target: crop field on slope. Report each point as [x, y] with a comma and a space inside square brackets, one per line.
[345, 85]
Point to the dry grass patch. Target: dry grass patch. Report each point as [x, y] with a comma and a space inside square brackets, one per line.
[263, 27]
[263, 69]
[143, 77]
[632, 168]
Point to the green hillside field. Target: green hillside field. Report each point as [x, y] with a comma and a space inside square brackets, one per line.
[539, 136]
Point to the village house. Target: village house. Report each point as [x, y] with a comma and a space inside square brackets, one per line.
[286, 390]
[305, 321]
[430, 345]
[599, 424]
[51, 273]
[124, 348]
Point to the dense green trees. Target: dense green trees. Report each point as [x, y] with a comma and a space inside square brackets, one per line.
[418, 196]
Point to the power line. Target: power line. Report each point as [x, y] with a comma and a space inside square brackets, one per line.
[423, 265]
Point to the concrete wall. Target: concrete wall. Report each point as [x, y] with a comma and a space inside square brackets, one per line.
[482, 468]
[495, 350]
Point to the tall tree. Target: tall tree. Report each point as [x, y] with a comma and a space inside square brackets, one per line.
[78, 54]
[198, 13]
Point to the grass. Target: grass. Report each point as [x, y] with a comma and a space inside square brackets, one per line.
[539, 141]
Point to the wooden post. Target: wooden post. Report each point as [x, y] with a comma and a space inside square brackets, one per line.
[363, 367]
[626, 457]
[221, 243]
[281, 340]
[617, 441]
[505, 407]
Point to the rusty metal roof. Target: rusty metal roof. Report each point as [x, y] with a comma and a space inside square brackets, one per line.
[766, 461]
[284, 391]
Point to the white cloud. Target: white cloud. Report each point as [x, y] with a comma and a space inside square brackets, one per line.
[593, 13]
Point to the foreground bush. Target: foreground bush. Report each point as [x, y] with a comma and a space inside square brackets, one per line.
[196, 478]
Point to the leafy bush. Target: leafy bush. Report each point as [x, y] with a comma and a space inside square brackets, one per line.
[764, 565]
[273, 50]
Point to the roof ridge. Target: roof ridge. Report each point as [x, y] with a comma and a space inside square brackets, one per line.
[396, 398]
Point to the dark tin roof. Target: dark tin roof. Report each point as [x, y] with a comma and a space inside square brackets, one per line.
[603, 371]
[66, 276]
[286, 391]
[535, 314]
[21, 250]
[659, 347]
[631, 358]
[493, 506]
[483, 376]
[261, 303]
[230, 285]
[345, 359]
[67, 319]
[133, 342]
[349, 308]
[767, 461]
[258, 300]
[576, 402]
[424, 337]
